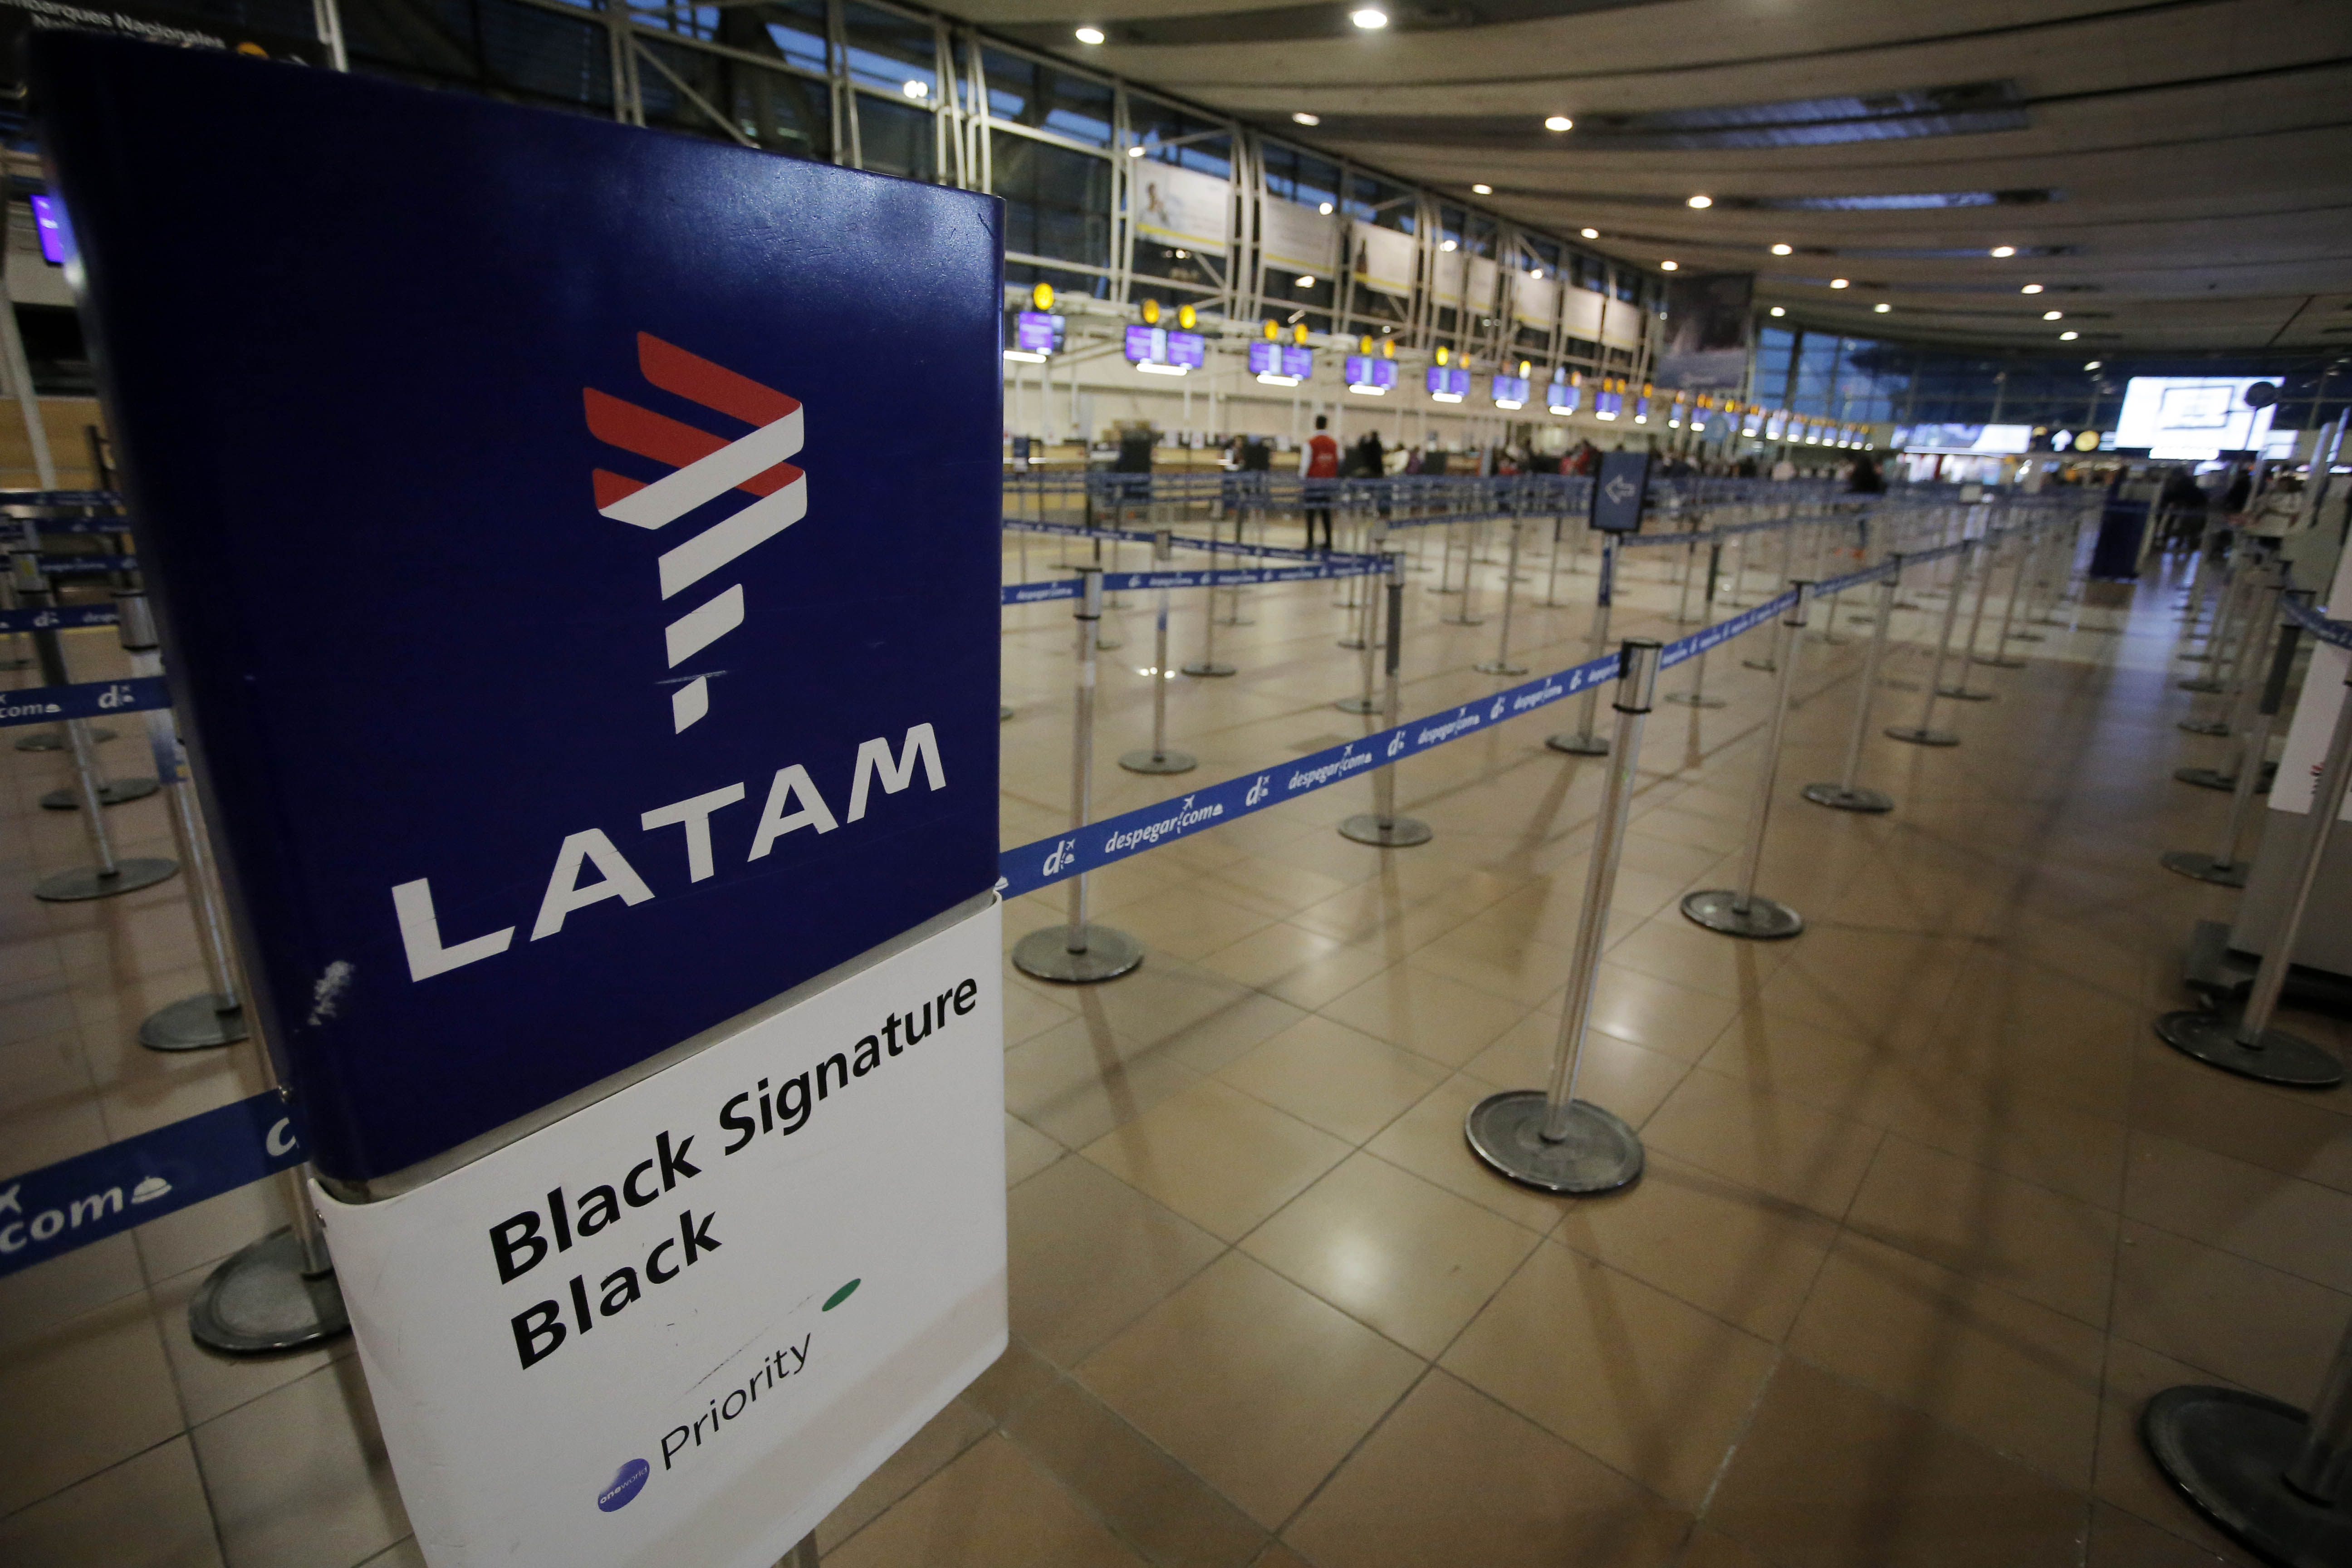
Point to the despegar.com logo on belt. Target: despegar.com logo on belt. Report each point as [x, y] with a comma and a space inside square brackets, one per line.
[704, 467]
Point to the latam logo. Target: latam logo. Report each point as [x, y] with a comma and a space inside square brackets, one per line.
[703, 467]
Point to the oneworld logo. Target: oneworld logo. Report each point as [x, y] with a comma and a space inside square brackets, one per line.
[625, 1486]
[704, 467]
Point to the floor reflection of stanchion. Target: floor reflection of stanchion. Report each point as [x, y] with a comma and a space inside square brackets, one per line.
[215, 1016]
[1582, 742]
[1961, 690]
[1547, 1138]
[1368, 699]
[1077, 952]
[1501, 663]
[1925, 732]
[2226, 870]
[1381, 826]
[2244, 1043]
[1158, 759]
[1696, 696]
[2275, 1480]
[1846, 795]
[1741, 911]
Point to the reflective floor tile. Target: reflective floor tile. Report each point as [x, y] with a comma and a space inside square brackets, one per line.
[1335, 1078]
[993, 1508]
[148, 1511]
[1089, 1253]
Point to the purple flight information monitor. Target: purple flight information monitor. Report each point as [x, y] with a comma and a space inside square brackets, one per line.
[1036, 332]
[1297, 362]
[50, 223]
[1188, 349]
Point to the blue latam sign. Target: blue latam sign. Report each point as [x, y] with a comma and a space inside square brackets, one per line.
[589, 725]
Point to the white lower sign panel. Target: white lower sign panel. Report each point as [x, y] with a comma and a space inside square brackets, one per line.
[680, 1325]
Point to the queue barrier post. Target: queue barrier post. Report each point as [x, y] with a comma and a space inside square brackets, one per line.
[1925, 732]
[1381, 826]
[1501, 663]
[1547, 1138]
[112, 875]
[2225, 870]
[1846, 795]
[1158, 759]
[1079, 953]
[2246, 1044]
[1741, 911]
[2238, 712]
[2272, 1478]
[1696, 696]
[1366, 642]
[1464, 617]
[2222, 634]
[1582, 742]
[1961, 690]
[1208, 664]
[2000, 658]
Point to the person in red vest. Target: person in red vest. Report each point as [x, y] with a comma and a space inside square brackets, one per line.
[1318, 465]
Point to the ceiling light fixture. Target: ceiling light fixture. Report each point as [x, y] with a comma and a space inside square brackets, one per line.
[1135, 151]
[1782, 249]
[1482, 190]
[1665, 267]
[1090, 35]
[2068, 337]
[1445, 245]
[1841, 282]
[1881, 307]
[1559, 123]
[1701, 202]
[2030, 289]
[1302, 118]
[2004, 251]
[1325, 209]
[2053, 315]
[2093, 364]
[1590, 233]
[1779, 312]
[1306, 280]
[1371, 18]
[916, 88]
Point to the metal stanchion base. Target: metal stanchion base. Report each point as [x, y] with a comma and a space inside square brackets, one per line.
[1397, 833]
[1353, 645]
[1148, 762]
[1439, 589]
[1769, 666]
[1234, 621]
[2276, 1056]
[2002, 662]
[1464, 620]
[130, 876]
[1840, 798]
[2227, 1453]
[1498, 666]
[2205, 868]
[260, 1300]
[2206, 778]
[1962, 694]
[1108, 644]
[52, 740]
[1599, 1155]
[2026, 636]
[1916, 736]
[2206, 726]
[1208, 667]
[1766, 920]
[194, 1024]
[1830, 639]
[112, 792]
[1357, 705]
[1578, 745]
[1695, 700]
[1046, 954]
[2200, 684]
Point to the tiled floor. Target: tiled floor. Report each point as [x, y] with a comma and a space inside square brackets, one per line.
[1928, 1212]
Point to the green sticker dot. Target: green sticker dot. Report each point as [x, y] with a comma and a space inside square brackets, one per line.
[838, 1297]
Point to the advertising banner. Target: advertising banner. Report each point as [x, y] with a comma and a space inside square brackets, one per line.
[1535, 300]
[1449, 275]
[649, 668]
[1384, 259]
[1580, 313]
[1293, 238]
[1709, 319]
[1182, 206]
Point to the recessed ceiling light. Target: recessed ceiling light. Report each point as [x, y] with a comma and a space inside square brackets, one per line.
[1371, 18]
[2053, 315]
[1779, 312]
[1445, 245]
[1135, 151]
[2068, 337]
[1536, 272]
[1306, 280]
[1090, 35]
[1590, 233]
[1482, 190]
[1881, 307]
[2030, 289]
[2004, 251]
[1665, 267]
[1303, 118]
[1701, 202]
[1559, 123]
[916, 88]
[1841, 283]
[2093, 364]
[1325, 209]
[1782, 249]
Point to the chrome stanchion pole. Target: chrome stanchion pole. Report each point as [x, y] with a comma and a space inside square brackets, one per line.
[1383, 826]
[1696, 696]
[2246, 1044]
[1079, 953]
[2254, 636]
[216, 1017]
[1158, 759]
[113, 874]
[1547, 1138]
[1208, 663]
[1925, 732]
[1462, 617]
[1501, 663]
[2225, 868]
[1961, 690]
[1366, 701]
[2224, 629]
[2000, 658]
[1583, 743]
[1846, 794]
[1741, 911]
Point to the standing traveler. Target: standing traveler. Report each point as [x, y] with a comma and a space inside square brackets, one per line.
[1318, 465]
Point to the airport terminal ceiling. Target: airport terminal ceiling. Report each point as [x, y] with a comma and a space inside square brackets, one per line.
[2174, 176]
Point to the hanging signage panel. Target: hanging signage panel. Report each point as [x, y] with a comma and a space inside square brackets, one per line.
[647, 668]
[1580, 313]
[1384, 259]
[1295, 238]
[1182, 206]
[1535, 300]
[1450, 269]
[1484, 276]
